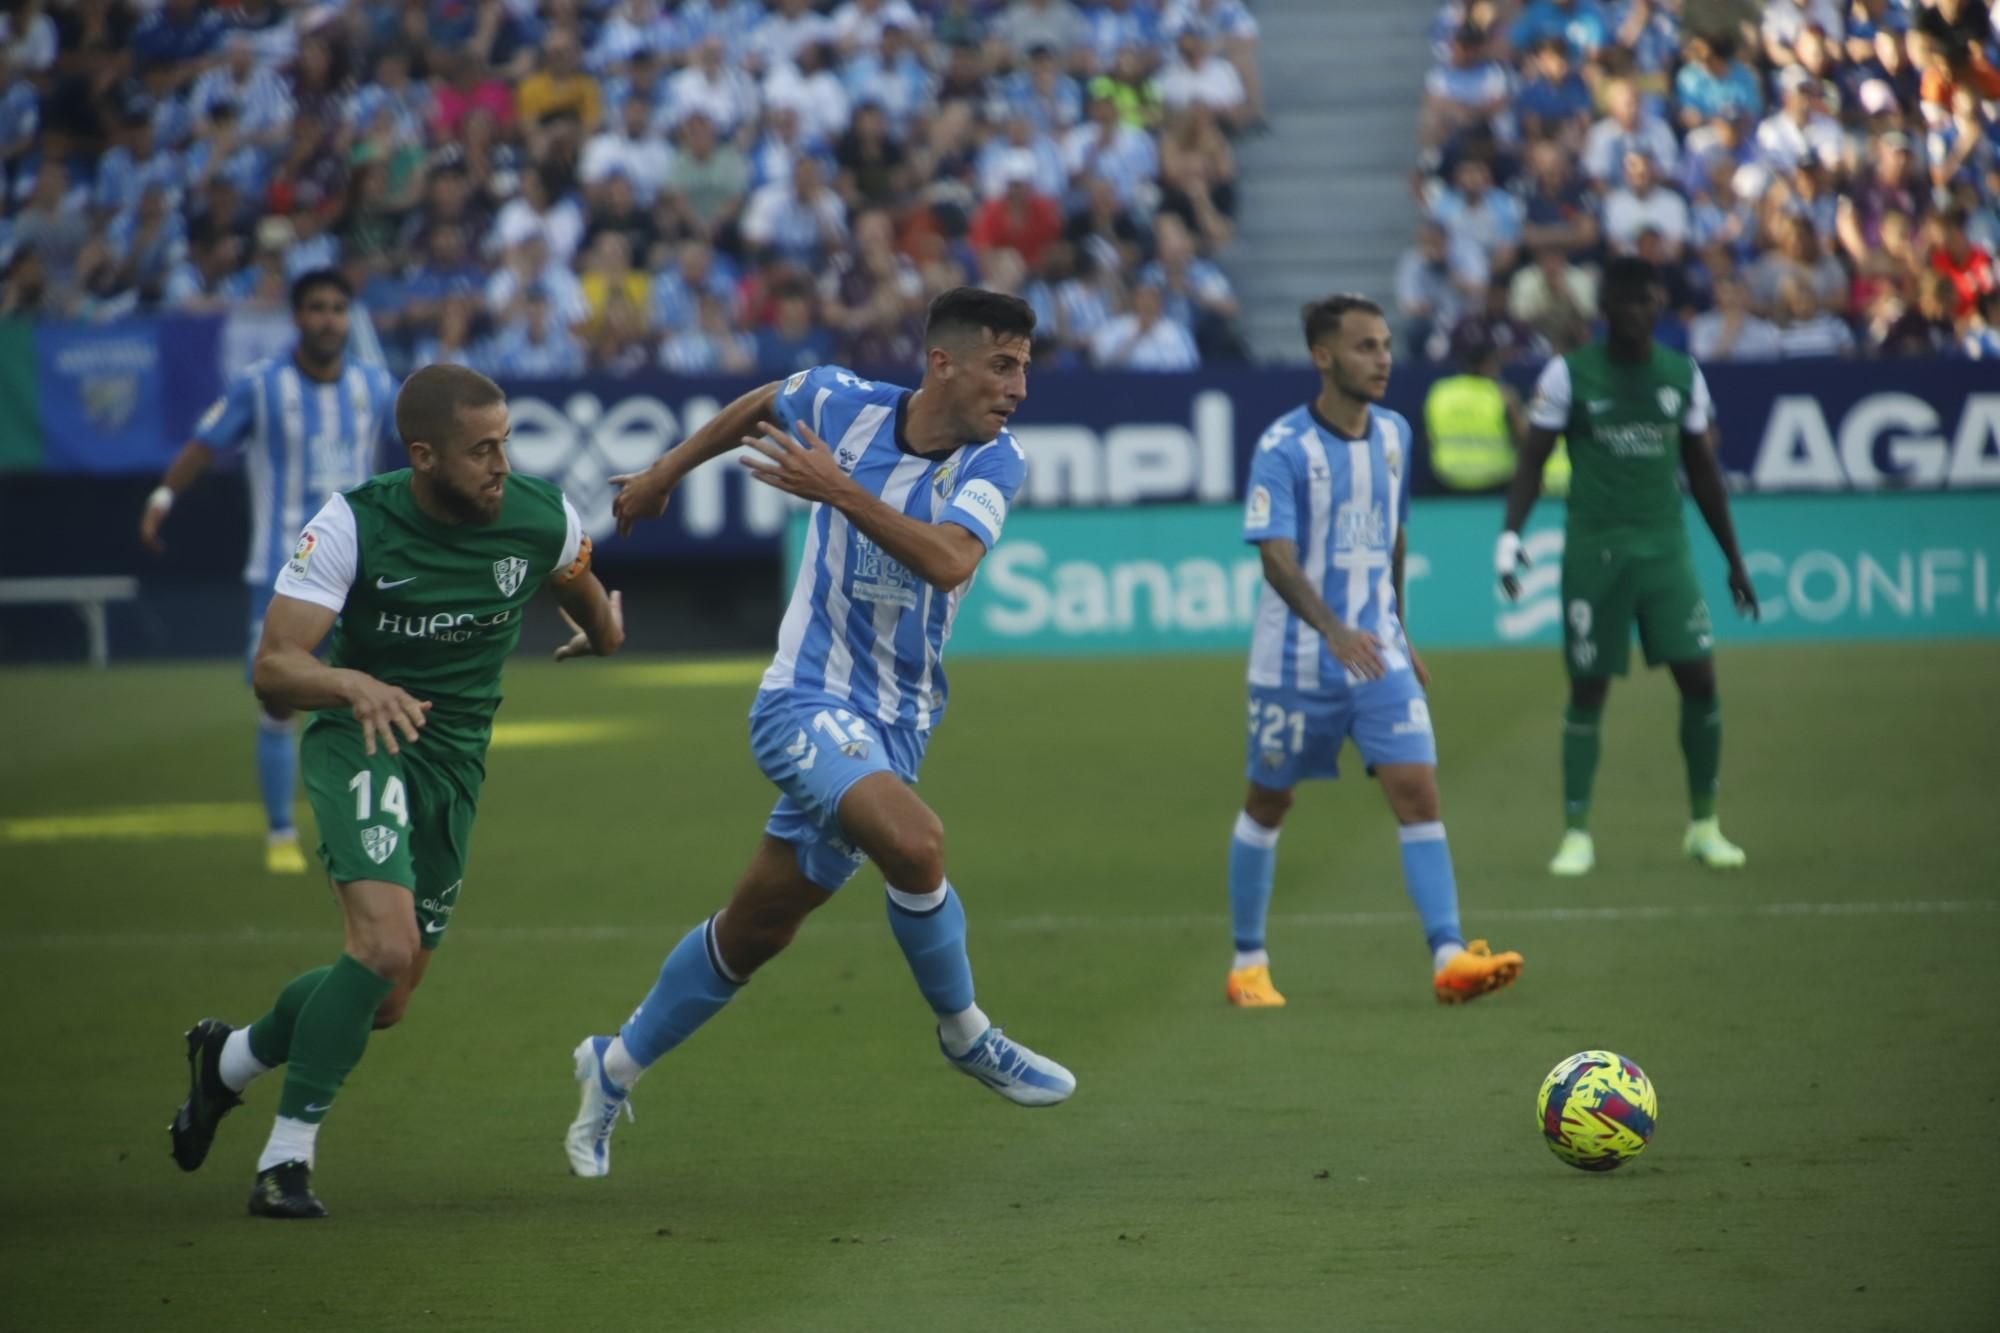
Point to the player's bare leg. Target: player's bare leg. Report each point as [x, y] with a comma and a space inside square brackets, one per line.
[1461, 971]
[1582, 724]
[1253, 855]
[1701, 746]
[277, 766]
[886, 819]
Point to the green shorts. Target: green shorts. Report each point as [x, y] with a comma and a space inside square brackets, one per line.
[1605, 590]
[401, 818]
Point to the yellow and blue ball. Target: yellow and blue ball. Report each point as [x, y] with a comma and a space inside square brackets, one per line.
[1597, 1110]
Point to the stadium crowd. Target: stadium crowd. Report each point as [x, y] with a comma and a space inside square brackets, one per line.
[1812, 177]
[555, 187]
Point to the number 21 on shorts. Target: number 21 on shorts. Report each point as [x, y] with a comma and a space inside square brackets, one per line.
[1276, 721]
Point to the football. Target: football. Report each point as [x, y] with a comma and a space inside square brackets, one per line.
[1597, 1110]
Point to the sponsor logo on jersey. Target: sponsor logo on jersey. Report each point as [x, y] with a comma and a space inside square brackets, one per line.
[441, 626]
[880, 578]
[302, 553]
[1358, 526]
[379, 842]
[508, 573]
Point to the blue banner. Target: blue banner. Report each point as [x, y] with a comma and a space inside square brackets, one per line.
[117, 399]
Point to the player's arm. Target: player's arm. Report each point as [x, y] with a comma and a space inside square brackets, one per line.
[223, 427]
[287, 674]
[1357, 649]
[1546, 420]
[1711, 493]
[943, 555]
[644, 494]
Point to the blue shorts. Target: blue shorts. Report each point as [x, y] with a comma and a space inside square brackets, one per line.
[813, 749]
[1295, 734]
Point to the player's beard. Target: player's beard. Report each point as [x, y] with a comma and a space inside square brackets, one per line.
[470, 507]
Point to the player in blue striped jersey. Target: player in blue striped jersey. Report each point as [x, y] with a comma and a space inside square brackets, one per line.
[1329, 497]
[310, 425]
[909, 491]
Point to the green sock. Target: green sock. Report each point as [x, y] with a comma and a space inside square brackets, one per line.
[329, 1037]
[1579, 763]
[1701, 743]
[271, 1035]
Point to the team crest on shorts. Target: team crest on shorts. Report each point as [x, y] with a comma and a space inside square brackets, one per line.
[379, 841]
[508, 574]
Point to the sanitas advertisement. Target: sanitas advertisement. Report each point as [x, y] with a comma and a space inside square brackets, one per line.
[1178, 579]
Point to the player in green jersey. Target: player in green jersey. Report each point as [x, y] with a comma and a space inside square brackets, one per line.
[1635, 413]
[422, 577]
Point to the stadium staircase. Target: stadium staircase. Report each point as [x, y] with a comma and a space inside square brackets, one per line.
[1326, 200]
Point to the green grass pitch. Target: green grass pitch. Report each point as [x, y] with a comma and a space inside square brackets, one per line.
[1820, 1027]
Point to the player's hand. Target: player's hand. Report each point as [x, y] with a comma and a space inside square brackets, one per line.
[1510, 557]
[806, 470]
[1417, 665]
[580, 644]
[383, 710]
[151, 520]
[1745, 595]
[641, 495]
[1358, 651]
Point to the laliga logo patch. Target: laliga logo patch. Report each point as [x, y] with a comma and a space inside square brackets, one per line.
[1257, 512]
[302, 553]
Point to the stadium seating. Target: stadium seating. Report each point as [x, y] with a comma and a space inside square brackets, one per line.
[1814, 177]
[556, 187]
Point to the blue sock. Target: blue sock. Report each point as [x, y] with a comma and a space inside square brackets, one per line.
[1253, 858]
[693, 987]
[930, 927]
[1427, 875]
[277, 765]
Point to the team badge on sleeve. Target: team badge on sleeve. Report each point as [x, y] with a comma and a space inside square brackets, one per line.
[302, 553]
[508, 574]
[796, 382]
[213, 415]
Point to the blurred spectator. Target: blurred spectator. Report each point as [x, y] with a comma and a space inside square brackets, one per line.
[1964, 265]
[1792, 253]
[874, 166]
[542, 210]
[1714, 85]
[195, 284]
[534, 344]
[1198, 175]
[1555, 298]
[1471, 90]
[172, 46]
[1133, 90]
[1051, 100]
[1643, 204]
[560, 85]
[1923, 328]
[1784, 20]
[1488, 322]
[1980, 336]
[872, 298]
[1732, 331]
[51, 226]
[1887, 190]
[1108, 149]
[1231, 23]
[1800, 128]
[788, 27]
[1580, 23]
[1144, 339]
[1627, 128]
[1018, 218]
[710, 344]
[708, 180]
[1477, 214]
[469, 88]
[1197, 74]
[1557, 209]
[1020, 136]
[1195, 293]
[632, 150]
[1804, 328]
[1556, 100]
[801, 219]
[810, 88]
[1436, 280]
[456, 341]
[1053, 24]
[794, 340]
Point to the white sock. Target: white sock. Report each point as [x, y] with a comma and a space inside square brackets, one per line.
[1443, 954]
[958, 1031]
[1254, 958]
[290, 1141]
[619, 1066]
[238, 1066]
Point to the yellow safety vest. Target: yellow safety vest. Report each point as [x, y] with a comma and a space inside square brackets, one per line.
[1471, 443]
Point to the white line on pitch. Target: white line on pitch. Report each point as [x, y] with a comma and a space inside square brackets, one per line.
[1051, 924]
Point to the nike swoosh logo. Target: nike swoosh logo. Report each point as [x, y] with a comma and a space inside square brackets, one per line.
[433, 927]
[386, 584]
[315, 1110]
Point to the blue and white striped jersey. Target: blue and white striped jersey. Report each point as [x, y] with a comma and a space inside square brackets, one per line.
[306, 441]
[862, 629]
[1342, 501]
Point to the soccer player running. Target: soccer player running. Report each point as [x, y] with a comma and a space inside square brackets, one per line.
[313, 422]
[422, 576]
[1329, 498]
[909, 491]
[1635, 413]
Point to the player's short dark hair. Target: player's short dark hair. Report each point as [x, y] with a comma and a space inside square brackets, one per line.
[974, 309]
[1628, 277]
[429, 402]
[1322, 317]
[312, 280]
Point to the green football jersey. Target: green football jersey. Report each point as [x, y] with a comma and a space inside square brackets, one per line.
[434, 608]
[1624, 423]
